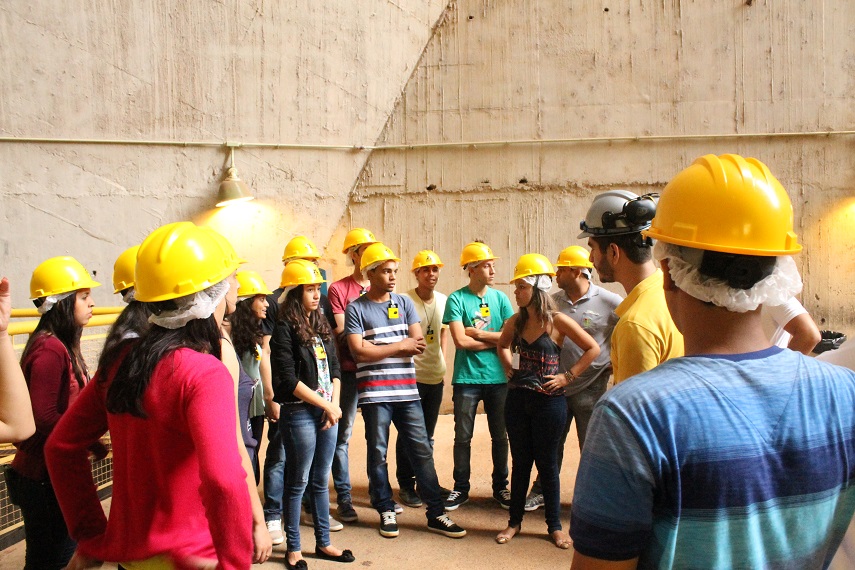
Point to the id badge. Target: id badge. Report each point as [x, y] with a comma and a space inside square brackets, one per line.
[393, 312]
[485, 311]
[515, 360]
[320, 353]
[430, 337]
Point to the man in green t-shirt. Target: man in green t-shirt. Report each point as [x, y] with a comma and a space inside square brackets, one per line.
[475, 315]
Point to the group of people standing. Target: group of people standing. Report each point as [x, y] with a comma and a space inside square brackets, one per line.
[707, 424]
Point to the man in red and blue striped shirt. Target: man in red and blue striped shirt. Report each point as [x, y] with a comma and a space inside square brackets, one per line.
[384, 334]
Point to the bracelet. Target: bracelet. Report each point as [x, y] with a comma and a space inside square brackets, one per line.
[570, 376]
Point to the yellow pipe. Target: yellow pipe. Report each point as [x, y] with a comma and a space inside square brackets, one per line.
[34, 313]
[27, 327]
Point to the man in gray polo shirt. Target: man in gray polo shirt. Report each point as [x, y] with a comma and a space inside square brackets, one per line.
[594, 309]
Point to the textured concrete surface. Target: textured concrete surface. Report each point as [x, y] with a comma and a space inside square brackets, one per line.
[540, 69]
[283, 71]
[416, 548]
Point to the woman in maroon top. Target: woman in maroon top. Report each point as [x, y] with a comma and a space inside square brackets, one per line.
[56, 372]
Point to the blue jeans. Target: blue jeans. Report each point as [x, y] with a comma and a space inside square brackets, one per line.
[341, 465]
[310, 452]
[274, 473]
[48, 545]
[535, 424]
[579, 407]
[466, 398]
[431, 400]
[410, 422]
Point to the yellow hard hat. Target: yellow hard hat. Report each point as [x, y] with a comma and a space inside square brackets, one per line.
[475, 252]
[300, 247]
[250, 283]
[59, 275]
[532, 264]
[376, 253]
[301, 272]
[356, 237]
[182, 258]
[574, 256]
[729, 204]
[123, 269]
[426, 258]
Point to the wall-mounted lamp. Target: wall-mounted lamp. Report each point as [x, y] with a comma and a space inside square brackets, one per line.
[232, 189]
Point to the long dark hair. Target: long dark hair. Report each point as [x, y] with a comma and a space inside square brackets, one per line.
[543, 306]
[292, 310]
[126, 392]
[129, 326]
[246, 328]
[59, 321]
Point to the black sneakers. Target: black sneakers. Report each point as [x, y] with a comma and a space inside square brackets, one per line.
[455, 499]
[347, 513]
[388, 524]
[444, 525]
[409, 498]
[503, 497]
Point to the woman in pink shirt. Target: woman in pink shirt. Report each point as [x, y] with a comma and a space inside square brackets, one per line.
[180, 496]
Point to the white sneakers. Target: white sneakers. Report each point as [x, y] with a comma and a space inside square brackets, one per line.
[274, 527]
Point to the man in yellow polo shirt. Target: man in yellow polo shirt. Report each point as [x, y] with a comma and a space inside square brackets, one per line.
[645, 335]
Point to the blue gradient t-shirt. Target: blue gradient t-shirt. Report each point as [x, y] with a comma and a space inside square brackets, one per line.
[743, 461]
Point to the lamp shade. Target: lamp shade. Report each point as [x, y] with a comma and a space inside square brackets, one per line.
[232, 189]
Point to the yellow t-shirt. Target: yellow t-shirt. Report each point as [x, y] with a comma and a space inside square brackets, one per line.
[645, 336]
[430, 365]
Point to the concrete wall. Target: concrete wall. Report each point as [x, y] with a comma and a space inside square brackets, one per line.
[544, 69]
[281, 71]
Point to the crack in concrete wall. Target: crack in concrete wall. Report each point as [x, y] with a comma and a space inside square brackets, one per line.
[546, 69]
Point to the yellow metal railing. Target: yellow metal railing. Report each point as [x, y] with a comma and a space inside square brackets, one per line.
[91, 344]
[103, 316]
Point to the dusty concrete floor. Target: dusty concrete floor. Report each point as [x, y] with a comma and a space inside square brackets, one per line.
[416, 548]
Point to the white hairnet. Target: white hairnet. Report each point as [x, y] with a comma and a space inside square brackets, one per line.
[473, 265]
[586, 271]
[542, 282]
[128, 295]
[51, 300]
[199, 305]
[285, 291]
[684, 266]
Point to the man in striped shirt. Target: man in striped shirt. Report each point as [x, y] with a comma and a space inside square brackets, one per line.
[384, 334]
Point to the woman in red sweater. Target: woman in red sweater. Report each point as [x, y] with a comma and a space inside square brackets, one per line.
[56, 373]
[180, 496]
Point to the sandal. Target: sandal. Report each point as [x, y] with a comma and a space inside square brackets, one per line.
[561, 540]
[504, 538]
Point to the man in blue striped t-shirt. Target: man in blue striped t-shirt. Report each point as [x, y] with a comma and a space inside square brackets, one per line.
[739, 454]
[384, 334]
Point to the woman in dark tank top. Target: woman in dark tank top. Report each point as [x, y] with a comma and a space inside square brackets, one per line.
[536, 409]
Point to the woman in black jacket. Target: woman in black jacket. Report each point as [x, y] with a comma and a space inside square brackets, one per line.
[306, 382]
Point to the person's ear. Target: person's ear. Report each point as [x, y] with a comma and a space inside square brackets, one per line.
[613, 252]
[668, 283]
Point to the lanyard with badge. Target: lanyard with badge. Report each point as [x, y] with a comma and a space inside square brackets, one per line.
[325, 387]
[393, 310]
[485, 309]
[430, 335]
